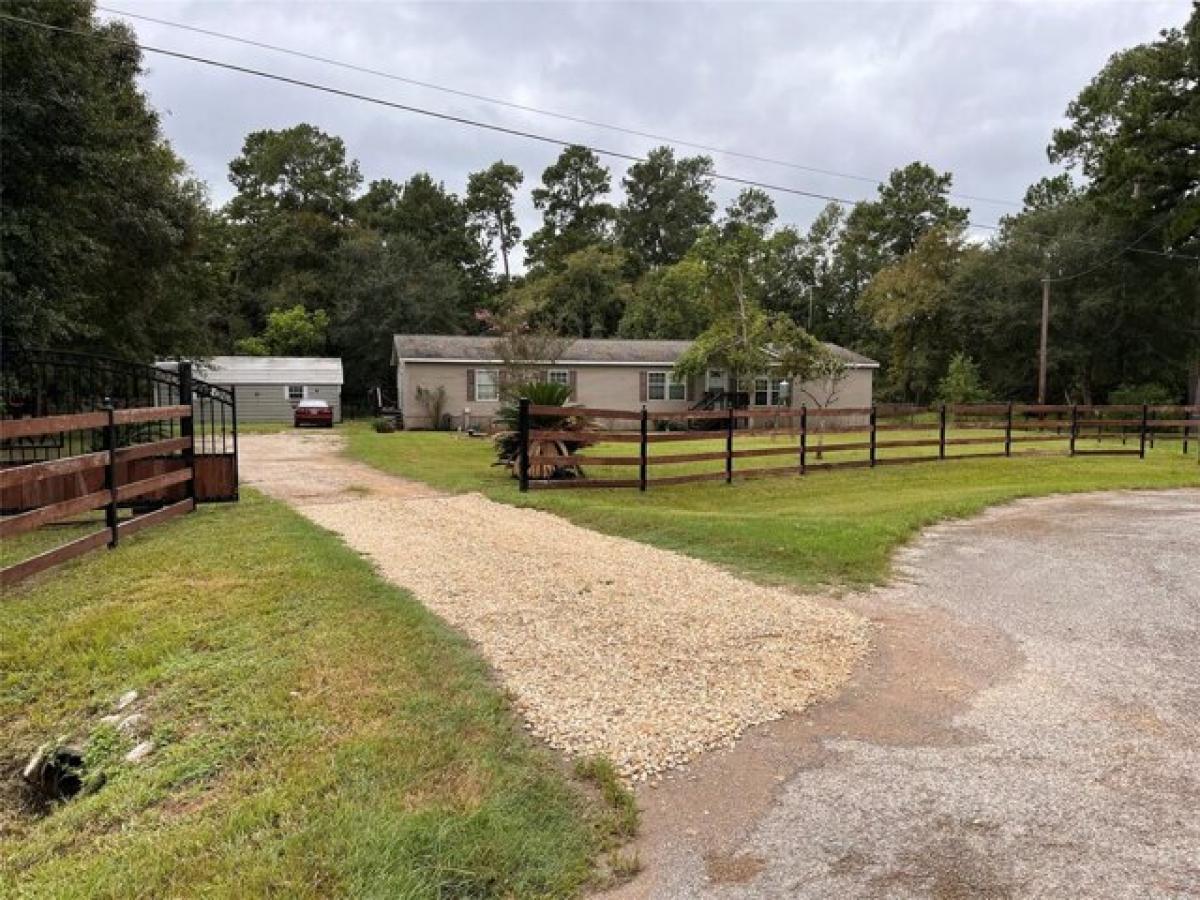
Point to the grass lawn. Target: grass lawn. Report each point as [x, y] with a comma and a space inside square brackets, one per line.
[828, 528]
[19, 547]
[317, 732]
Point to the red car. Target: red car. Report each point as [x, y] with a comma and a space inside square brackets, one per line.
[313, 412]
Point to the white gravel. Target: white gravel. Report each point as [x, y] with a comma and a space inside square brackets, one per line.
[607, 645]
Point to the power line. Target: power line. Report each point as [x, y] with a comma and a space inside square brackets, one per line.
[434, 114]
[1167, 253]
[1104, 262]
[509, 104]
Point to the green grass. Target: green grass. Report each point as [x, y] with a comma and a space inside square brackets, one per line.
[828, 528]
[318, 732]
[22, 546]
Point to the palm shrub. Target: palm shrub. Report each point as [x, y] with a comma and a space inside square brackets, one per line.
[540, 393]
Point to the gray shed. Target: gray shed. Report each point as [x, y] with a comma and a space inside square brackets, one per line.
[269, 387]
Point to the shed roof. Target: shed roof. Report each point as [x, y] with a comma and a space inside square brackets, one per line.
[268, 369]
[592, 351]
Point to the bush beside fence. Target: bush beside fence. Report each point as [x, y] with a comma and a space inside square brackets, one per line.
[863, 437]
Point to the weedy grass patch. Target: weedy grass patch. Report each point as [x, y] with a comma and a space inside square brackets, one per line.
[315, 731]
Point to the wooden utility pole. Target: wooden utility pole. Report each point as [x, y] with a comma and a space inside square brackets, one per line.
[1041, 394]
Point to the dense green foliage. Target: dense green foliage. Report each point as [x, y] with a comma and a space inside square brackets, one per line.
[100, 230]
[138, 263]
[289, 332]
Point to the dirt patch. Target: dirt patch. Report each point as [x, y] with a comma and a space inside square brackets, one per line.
[732, 869]
[609, 646]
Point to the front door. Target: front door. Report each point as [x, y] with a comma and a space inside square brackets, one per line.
[714, 381]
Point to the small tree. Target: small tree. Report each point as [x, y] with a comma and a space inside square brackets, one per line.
[289, 332]
[744, 338]
[523, 351]
[750, 343]
[962, 382]
[821, 382]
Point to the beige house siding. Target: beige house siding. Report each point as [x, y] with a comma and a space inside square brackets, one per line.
[432, 375]
[599, 386]
[854, 391]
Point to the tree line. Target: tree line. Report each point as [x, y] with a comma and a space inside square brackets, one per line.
[109, 245]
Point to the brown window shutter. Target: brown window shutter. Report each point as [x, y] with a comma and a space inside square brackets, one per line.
[573, 381]
[642, 386]
[471, 385]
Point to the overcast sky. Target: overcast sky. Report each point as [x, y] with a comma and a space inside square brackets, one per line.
[970, 87]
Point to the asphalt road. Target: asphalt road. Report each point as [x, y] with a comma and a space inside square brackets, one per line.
[1029, 727]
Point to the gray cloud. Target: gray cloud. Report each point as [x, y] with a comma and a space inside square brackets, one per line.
[974, 88]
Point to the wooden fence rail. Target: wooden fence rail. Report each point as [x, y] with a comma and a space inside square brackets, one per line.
[553, 440]
[130, 473]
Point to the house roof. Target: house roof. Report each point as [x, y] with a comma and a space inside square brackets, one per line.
[267, 369]
[586, 351]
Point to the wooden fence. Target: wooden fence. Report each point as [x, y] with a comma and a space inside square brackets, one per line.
[552, 445]
[119, 472]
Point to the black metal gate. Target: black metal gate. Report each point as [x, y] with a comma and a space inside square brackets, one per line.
[36, 383]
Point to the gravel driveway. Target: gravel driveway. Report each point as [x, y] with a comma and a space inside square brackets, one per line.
[1029, 726]
[607, 645]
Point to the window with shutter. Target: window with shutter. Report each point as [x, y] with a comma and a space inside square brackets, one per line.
[665, 386]
[487, 385]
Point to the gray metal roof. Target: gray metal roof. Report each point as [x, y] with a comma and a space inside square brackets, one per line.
[595, 351]
[267, 369]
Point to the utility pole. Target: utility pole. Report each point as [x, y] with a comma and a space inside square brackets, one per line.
[810, 301]
[1041, 394]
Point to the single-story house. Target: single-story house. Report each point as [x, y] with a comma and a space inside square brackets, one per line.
[602, 374]
[269, 387]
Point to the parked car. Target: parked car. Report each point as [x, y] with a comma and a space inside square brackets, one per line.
[313, 412]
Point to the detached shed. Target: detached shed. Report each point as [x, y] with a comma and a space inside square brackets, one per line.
[269, 387]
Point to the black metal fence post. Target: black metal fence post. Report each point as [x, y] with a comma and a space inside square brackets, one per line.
[523, 443]
[645, 450]
[942, 432]
[729, 445]
[1008, 431]
[110, 474]
[1074, 427]
[874, 428]
[1142, 435]
[803, 438]
[233, 415]
[186, 428]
